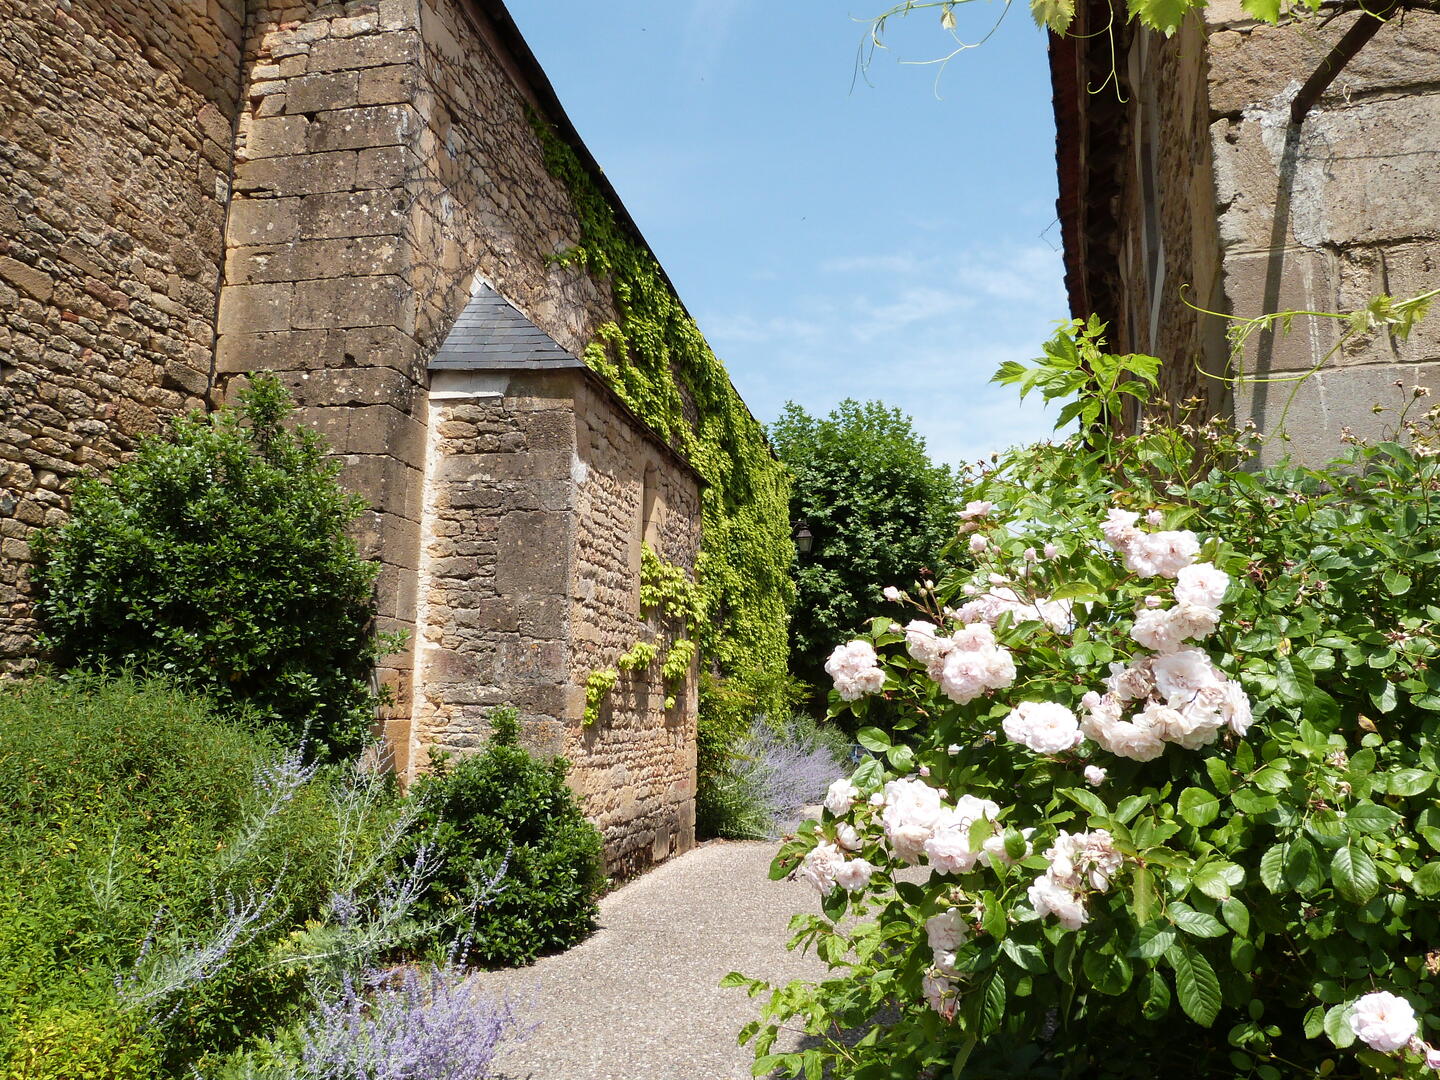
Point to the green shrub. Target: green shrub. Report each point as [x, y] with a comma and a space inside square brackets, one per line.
[219, 557]
[68, 1044]
[503, 808]
[879, 511]
[135, 819]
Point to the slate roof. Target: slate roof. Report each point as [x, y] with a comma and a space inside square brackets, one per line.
[493, 333]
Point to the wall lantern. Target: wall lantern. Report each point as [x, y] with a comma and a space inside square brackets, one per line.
[804, 538]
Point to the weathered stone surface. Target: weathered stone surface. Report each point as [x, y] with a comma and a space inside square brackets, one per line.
[371, 125]
[301, 174]
[352, 301]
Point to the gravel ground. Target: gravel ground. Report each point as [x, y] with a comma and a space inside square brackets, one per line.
[640, 1000]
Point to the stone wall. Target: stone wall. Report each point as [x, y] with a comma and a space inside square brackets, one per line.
[1328, 214]
[115, 163]
[1258, 215]
[543, 489]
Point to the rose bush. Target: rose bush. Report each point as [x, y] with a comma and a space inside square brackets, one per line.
[1161, 790]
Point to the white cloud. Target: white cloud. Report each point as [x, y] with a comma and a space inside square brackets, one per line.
[920, 330]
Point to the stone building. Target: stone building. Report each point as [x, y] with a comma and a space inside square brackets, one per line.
[1185, 184]
[355, 196]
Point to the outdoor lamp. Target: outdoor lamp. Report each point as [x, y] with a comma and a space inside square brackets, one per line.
[804, 539]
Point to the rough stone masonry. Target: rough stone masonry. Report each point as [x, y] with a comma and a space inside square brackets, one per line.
[192, 190]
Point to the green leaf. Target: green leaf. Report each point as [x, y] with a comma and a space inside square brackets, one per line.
[1108, 973]
[1057, 16]
[1162, 15]
[1302, 866]
[1426, 881]
[1216, 879]
[1142, 894]
[1396, 582]
[1198, 806]
[872, 738]
[902, 758]
[1236, 916]
[1408, 782]
[1087, 799]
[1337, 1024]
[1026, 957]
[1153, 941]
[1195, 923]
[1354, 874]
[1195, 983]
[1157, 995]
[1371, 818]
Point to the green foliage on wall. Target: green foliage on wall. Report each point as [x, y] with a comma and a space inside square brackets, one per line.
[656, 360]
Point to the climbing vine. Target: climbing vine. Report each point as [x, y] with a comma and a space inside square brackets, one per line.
[654, 357]
[668, 594]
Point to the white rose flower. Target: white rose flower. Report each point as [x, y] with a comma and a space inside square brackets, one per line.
[1235, 708]
[1193, 621]
[1119, 528]
[1162, 554]
[1203, 584]
[848, 837]
[841, 797]
[940, 994]
[1051, 551]
[977, 509]
[1132, 682]
[923, 642]
[1383, 1021]
[820, 866]
[911, 810]
[978, 544]
[1157, 630]
[853, 875]
[1049, 897]
[1046, 727]
[947, 931]
[1154, 517]
[891, 593]
[1030, 555]
[1179, 675]
[855, 669]
[1094, 775]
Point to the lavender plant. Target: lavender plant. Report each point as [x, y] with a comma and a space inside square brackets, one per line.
[429, 1023]
[775, 773]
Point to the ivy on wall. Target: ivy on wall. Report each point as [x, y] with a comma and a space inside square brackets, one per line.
[657, 361]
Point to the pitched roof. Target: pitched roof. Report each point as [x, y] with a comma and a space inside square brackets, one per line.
[491, 332]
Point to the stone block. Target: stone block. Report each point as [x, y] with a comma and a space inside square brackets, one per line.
[284, 351]
[352, 301]
[1349, 175]
[360, 256]
[1255, 65]
[276, 136]
[377, 50]
[1290, 280]
[322, 92]
[385, 167]
[361, 127]
[395, 594]
[253, 309]
[262, 221]
[300, 174]
[371, 429]
[534, 554]
[1316, 410]
[354, 386]
[387, 85]
[355, 213]
[26, 278]
[389, 485]
[1402, 270]
[388, 537]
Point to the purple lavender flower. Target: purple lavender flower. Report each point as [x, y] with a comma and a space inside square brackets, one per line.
[779, 773]
[413, 1023]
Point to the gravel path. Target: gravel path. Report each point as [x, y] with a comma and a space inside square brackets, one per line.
[640, 1000]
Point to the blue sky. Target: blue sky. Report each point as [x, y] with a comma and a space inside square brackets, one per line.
[891, 240]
